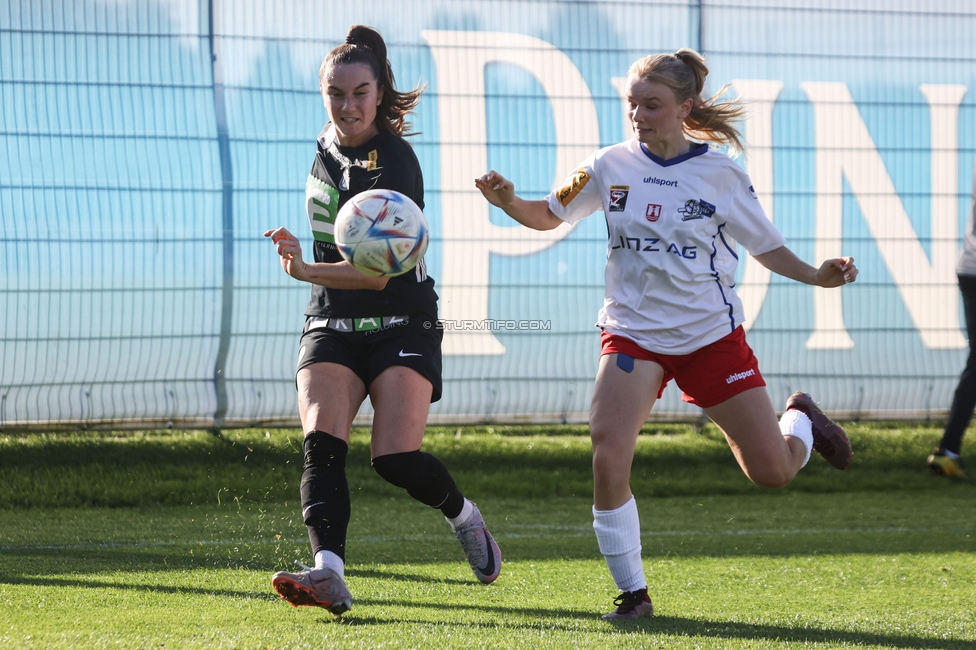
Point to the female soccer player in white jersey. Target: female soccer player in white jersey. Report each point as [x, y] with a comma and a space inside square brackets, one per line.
[675, 209]
[365, 335]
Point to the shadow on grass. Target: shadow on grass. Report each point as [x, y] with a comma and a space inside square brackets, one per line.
[545, 619]
[119, 562]
[719, 630]
[779, 537]
[123, 558]
[153, 588]
[712, 632]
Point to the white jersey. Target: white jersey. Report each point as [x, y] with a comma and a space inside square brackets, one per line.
[671, 254]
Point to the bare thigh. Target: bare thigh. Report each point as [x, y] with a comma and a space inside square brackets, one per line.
[749, 423]
[329, 397]
[621, 403]
[401, 402]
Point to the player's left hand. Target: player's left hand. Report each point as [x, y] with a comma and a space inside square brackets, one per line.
[836, 272]
[290, 250]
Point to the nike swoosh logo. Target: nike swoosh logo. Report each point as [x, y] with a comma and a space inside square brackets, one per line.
[490, 564]
[410, 354]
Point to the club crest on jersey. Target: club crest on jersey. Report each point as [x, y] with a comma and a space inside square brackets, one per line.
[575, 186]
[653, 212]
[618, 198]
[696, 209]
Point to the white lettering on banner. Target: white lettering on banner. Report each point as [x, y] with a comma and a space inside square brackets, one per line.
[468, 235]
[758, 134]
[620, 83]
[845, 149]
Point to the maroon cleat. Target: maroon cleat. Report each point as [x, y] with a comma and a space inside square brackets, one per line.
[630, 605]
[829, 439]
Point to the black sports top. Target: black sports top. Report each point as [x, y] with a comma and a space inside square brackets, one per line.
[338, 173]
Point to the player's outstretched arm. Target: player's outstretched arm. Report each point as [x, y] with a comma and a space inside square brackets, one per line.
[500, 192]
[834, 272]
[340, 275]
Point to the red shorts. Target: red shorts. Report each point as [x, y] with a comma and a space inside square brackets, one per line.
[707, 376]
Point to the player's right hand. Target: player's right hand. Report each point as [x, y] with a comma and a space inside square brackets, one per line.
[290, 250]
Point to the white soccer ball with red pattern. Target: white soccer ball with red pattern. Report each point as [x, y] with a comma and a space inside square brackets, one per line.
[381, 232]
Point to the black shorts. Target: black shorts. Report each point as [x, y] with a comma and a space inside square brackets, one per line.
[411, 341]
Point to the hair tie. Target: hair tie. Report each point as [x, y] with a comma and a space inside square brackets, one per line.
[350, 40]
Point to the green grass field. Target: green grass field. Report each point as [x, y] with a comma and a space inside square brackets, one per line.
[169, 540]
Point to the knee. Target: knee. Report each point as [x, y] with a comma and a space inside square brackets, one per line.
[612, 462]
[610, 445]
[398, 469]
[607, 440]
[771, 477]
[324, 450]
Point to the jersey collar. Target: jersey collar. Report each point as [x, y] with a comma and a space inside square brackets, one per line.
[697, 150]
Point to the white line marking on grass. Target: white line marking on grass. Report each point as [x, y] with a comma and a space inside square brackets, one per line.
[546, 532]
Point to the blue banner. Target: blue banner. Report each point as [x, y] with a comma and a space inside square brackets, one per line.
[147, 145]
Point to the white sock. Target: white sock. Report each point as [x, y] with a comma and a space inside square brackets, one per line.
[462, 518]
[618, 534]
[329, 560]
[796, 424]
[951, 454]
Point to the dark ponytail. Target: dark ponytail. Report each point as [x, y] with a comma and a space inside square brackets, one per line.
[365, 45]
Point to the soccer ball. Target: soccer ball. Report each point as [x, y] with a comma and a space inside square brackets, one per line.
[381, 232]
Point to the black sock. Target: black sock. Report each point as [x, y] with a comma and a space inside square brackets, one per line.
[325, 493]
[424, 477]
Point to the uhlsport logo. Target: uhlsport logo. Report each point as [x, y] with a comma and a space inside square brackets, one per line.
[654, 180]
[696, 209]
[618, 198]
[740, 375]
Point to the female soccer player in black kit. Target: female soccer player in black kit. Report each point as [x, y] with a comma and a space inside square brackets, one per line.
[365, 335]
